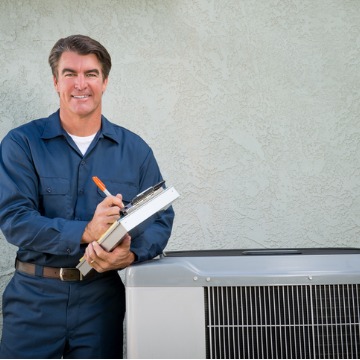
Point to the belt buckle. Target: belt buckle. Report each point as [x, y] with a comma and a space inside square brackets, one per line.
[65, 274]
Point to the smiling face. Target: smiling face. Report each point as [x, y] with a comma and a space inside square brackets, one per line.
[80, 85]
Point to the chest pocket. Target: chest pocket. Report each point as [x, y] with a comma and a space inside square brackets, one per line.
[54, 197]
[127, 190]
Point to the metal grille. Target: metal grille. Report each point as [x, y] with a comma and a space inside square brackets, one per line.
[277, 322]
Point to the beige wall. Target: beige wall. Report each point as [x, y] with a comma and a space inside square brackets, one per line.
[252, 107]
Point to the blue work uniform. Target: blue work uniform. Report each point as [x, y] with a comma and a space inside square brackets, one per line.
[47, 197]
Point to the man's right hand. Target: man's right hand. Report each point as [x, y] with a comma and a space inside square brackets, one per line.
[106, 213]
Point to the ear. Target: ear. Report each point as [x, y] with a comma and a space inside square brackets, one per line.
[105, 83]
[55, 83]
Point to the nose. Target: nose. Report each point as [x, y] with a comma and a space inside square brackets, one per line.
[80, 82]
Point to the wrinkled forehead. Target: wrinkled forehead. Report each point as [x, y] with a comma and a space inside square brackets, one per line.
[78, 63]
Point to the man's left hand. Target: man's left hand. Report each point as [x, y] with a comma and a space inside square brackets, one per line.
[119, 258]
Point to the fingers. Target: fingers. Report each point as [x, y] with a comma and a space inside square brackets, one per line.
[106, 213]
[110, 207]
[92, 257]
[126, 241]
[102, 260]
[111, 201]
[119, 196]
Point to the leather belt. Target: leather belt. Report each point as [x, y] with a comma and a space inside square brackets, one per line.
[63, 274]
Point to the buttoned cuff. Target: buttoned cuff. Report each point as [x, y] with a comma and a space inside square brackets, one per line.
[71, 237]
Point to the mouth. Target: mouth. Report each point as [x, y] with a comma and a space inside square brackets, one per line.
[80, 97]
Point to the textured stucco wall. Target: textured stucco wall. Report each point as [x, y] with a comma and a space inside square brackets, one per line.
[252, 107]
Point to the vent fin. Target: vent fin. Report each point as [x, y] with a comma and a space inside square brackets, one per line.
[283, 322]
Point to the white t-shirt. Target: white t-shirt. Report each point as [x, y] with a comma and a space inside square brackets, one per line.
[83, 142]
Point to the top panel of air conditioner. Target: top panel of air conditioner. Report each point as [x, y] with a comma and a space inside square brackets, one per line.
[248, 267]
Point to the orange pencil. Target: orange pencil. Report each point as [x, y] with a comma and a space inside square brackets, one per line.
[101, 185]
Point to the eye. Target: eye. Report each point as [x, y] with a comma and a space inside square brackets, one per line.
[90, 75]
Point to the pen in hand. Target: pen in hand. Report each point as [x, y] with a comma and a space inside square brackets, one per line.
[101, 185]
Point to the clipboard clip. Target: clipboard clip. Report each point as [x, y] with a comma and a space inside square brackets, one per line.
[142, 198]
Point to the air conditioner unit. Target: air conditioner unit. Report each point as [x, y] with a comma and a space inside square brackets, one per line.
[250, 304]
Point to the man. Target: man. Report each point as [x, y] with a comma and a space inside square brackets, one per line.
[52, 211]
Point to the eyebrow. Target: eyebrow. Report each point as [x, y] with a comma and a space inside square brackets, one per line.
[65, 70]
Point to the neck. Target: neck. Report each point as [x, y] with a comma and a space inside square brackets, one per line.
[80, 125]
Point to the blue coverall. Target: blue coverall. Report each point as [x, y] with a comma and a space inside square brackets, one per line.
[47, 197]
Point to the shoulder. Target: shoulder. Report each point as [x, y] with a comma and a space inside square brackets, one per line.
[32, 130]
[123, 136]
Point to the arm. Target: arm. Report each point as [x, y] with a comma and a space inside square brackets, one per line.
[124, 255]
[20, 215]
[152, 240]
[106, 213]
[148, 241]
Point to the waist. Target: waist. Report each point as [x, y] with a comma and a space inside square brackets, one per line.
[63, 274]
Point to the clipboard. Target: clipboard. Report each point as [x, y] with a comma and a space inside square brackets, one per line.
[142, 207]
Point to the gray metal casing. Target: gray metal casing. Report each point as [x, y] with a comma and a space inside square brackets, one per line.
[165, 297]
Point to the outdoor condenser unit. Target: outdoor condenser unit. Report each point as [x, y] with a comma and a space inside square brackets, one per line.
[249, 304]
